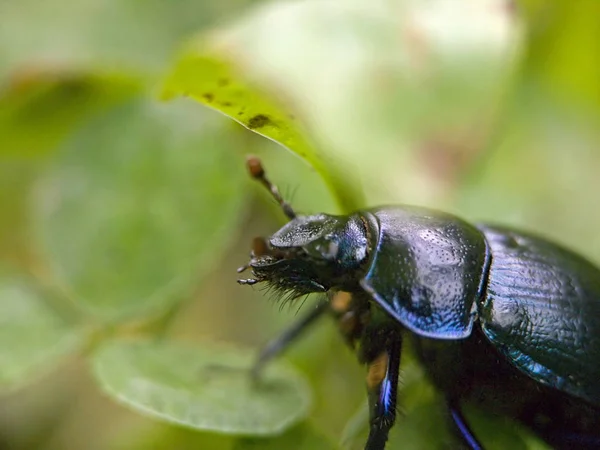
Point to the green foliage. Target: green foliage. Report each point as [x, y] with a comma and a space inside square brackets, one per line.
[33, 335]
[124, 212]
[210, 80]
[207, 388]
[123, 217]
[302, 437]
[163, 437]
[39, 112]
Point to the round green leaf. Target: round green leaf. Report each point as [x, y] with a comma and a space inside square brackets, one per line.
[206, 388]
[33, 336]
[138, 205]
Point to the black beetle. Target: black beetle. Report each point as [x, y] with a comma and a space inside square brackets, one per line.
[498, 317]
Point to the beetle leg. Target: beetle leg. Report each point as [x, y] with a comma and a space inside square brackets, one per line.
[281, 342]
[461, 426]
[382, 386]
[249, 281]
[243, 268]
[349, 318]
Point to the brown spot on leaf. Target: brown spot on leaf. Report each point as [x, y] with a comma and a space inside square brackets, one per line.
[258, 121]
[222, 82]
[208, 97]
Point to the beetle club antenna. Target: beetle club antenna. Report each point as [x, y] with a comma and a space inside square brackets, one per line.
[259, 248]
[257, 172]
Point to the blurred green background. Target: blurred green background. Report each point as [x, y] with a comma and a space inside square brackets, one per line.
[123, 216]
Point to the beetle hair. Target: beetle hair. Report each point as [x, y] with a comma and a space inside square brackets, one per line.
[285, 292]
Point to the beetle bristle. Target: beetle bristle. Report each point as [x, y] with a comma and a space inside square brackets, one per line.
[281, 294]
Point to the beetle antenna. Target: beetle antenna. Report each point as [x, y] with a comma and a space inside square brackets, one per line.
[257, 172]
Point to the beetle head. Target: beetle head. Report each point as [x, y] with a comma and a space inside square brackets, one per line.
[309, 253]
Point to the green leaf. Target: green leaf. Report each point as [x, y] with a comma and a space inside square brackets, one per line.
[302, 437]
[357, 427]
[562, 52]
[206, 387]
[385, 89]
[39, 109]
[33, 336]
[162, 436]
[119, 35]
[501, 432]
[542, 175]
[138, 205]
[212, 80]
[541, 172]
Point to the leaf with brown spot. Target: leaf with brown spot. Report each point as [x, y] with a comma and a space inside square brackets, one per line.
[372, 81]
[216, 82]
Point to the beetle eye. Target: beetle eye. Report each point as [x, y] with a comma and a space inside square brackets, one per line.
[361, 251]
[326, 248]
[332, 250]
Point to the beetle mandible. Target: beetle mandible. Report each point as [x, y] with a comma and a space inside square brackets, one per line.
[498, 317]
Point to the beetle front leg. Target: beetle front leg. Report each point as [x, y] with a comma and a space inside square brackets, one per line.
[382, 387]
[281, 342]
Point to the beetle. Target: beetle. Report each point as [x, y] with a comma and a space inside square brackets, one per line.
[498, 317]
